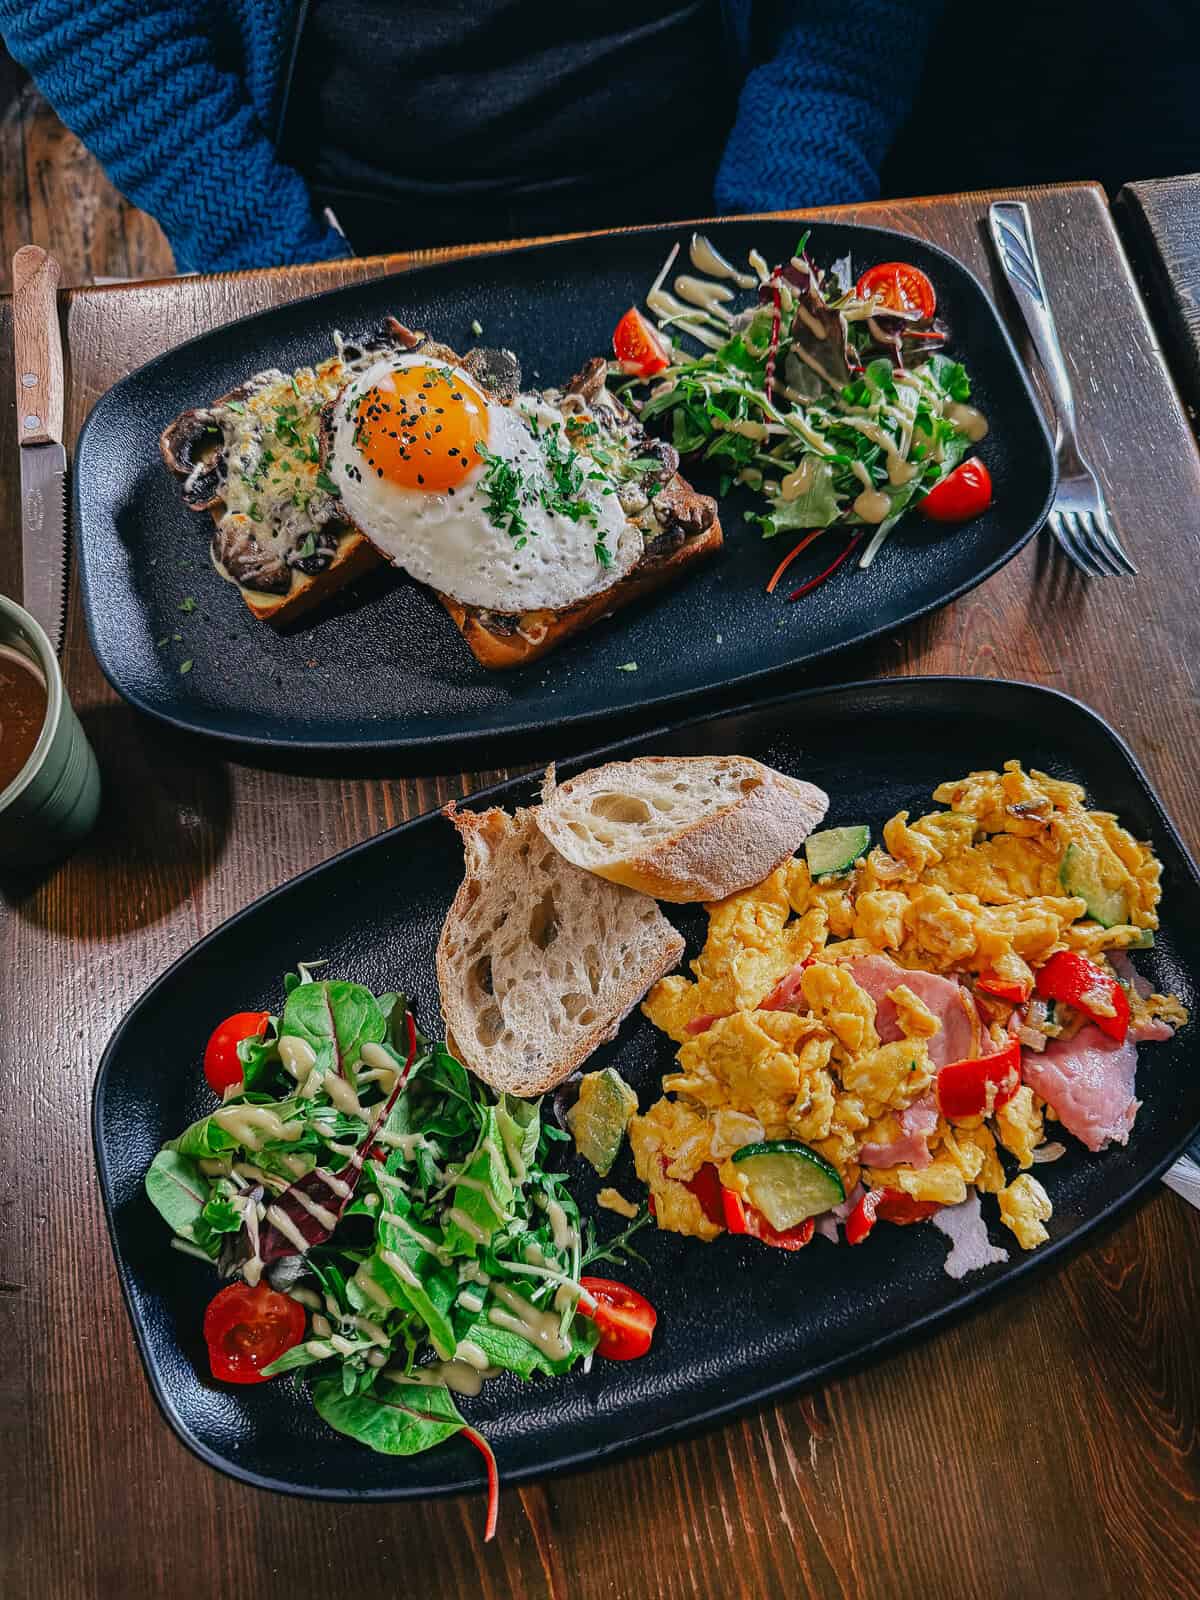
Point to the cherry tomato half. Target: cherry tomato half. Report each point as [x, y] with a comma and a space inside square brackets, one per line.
[896, 1206]
[221, 1065]
[963, 494]
[625, 1318]
[637, 346]
[246, 1329]
[898, 287]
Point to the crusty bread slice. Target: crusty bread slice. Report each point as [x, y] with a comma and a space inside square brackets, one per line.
[680, 828]
[500, 642]
[538, 962]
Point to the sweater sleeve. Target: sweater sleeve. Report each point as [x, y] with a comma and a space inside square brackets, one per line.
[815, 121]
[139, 82]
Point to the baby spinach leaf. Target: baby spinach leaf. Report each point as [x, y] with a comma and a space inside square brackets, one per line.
[303, 1355]
[397, 1419]
[413, 1279]
[338, 1017]
[259, 1057]
[178, 1191]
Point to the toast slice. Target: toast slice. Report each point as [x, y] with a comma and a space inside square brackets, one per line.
[538, 961]
[680, 828]
[252, 460]
[678, 525]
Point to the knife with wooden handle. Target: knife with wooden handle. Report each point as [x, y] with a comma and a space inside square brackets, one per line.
[39, 377]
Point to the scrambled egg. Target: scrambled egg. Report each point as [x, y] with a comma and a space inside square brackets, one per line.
[973, 888]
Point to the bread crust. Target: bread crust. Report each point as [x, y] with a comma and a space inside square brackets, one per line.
[482, 833]
[731, 850]
[536, 633]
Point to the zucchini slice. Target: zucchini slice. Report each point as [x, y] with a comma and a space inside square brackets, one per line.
[835, 850]
[1080, 875]
[788, 1182]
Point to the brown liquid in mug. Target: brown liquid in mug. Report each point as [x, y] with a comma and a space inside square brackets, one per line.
[23, 701]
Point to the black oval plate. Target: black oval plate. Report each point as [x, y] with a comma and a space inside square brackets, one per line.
[385, 667]
[736, 1323]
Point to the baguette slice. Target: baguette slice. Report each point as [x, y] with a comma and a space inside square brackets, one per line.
[538, 962]
[680, 828]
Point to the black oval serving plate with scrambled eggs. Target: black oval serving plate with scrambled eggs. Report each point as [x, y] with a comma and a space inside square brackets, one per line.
[737, 1322]
[383, 667]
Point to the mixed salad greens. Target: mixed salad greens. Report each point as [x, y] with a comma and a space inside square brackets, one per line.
[832, 398]
[384, 1220]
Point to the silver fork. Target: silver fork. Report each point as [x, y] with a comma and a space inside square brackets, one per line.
[1079, 518]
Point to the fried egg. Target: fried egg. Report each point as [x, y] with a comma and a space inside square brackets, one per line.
[487, 502]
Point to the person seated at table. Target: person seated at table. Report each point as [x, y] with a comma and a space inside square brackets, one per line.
[259, 132]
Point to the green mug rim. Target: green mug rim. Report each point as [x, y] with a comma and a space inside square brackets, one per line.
[47, 660]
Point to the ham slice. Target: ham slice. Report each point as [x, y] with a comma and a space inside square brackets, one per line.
[1089, 1082]
[960, 1036]
[912, 1148]
[1151, 1030]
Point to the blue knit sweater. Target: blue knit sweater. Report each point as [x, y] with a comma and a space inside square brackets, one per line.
[181, 99]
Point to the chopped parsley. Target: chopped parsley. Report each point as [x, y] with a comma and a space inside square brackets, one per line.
[187, 604]
[186, 666]
[324, 481]
[603, 554]
[476, 327]
[627, 666]
[309, 546]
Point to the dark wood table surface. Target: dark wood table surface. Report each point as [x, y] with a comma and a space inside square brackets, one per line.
[1046, 1444]
[1160, 219]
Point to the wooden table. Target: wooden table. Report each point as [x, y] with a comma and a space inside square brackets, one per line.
[1161, 223]
[1045, 1445]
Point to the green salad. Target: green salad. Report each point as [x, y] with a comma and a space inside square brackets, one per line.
[832, 399]
[381, 1217]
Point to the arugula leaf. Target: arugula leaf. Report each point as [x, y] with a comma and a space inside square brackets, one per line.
[950, 376]
[335, 1019]
[396, 1419]
[178, 1191]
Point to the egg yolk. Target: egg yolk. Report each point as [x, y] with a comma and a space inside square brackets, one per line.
[418, 428]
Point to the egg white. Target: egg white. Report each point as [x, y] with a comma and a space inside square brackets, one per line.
[448, 540]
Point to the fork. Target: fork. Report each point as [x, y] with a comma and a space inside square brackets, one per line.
[1079, 518]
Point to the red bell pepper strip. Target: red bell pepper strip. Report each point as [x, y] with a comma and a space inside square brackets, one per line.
[962, 1086]
[743, 1218]
[1079, 982]
[896, 1206]
[862, 1219]
[1005, 988]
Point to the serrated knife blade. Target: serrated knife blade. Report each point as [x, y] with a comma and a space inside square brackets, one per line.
[39, 382]
[44, 537]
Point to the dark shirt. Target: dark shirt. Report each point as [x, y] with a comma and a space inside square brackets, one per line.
[469, 119]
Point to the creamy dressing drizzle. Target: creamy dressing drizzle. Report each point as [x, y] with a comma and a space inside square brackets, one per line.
[512, 1151]
[540, 1328]
[305, 1297]
[344, 1097]
[458, 1376]
[269, 1180]
[280, 1219]
[872, 506]
[316, 1211]
[298, 1056]
[969, 421]
[333, 1182]
[405, 1226]
[710, 297]
[373, 1291]
[565, 1237]
[485, 1190]
[321, 1325]
[245, 1123]
[705, 257]
[371, 1330]
[468, 1224]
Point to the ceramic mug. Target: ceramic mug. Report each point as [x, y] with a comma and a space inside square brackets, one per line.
[52, 802]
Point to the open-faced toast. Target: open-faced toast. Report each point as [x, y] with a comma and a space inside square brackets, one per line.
[258, 459]
[252, 460]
